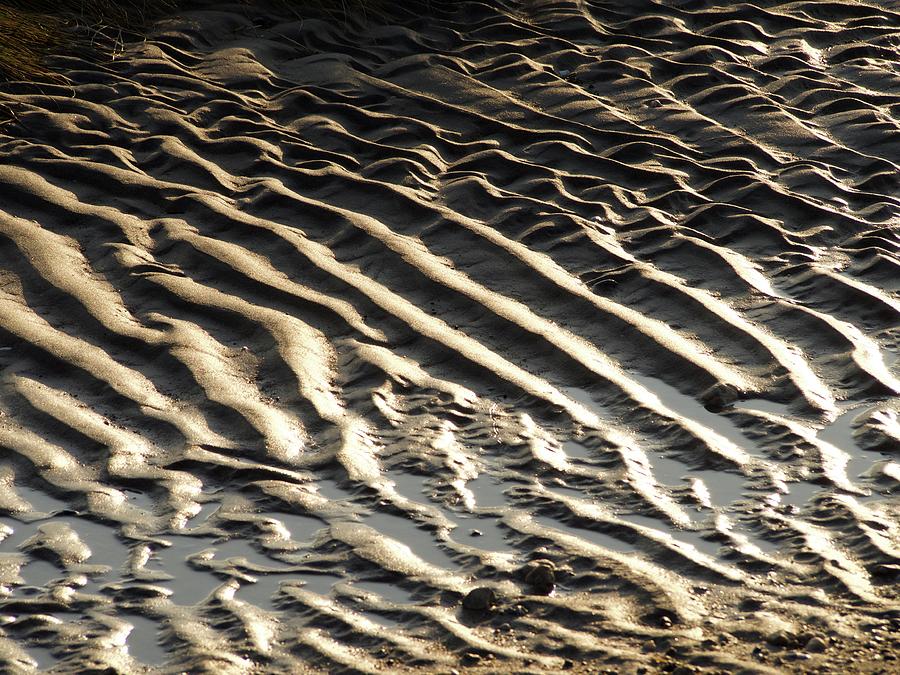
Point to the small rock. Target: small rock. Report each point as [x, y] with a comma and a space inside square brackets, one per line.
[719, 396]
[568, 664]
[471, 658]
[782, 638]
[750, 604]
[661, 617]
[541, 577]
[816, 645]
[684, 670]
[475, 533]
[480, 599]
[796, 656]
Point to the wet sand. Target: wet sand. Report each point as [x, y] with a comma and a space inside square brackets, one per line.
[309, 331]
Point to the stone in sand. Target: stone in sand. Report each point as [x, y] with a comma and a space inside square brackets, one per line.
[782, 638]
[816, 645]
[541, 576]
[480, 599]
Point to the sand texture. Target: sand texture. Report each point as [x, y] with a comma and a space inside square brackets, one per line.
[309, 330]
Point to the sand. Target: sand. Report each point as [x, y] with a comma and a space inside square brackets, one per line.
[310, 330]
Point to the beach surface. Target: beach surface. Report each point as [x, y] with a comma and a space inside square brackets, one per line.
[502, 337]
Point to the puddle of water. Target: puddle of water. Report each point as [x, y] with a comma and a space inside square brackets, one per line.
[840, 434]
[569, 491]
[386, 590]
[801, 493]
[40, 501]
[189, 585]
[667, 471]
[575, 450]
[763, 405]
[242, 548]
[141, 500]
[420, 541]
[383, 619]
[692, 409]
[408, 485]
[106, 547]
[763, 545]
[143, 641]
[263, 591]
[588, 400]
[40, 573]
[492, 536]
[206, 510]
[20, 532]
[331, 490]
[42, 656]
[724, 487]
[302, 528]
[687, 537]
[592, 536]
[488, 491]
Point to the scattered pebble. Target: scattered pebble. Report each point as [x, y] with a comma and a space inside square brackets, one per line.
[782, 638]
[480, 599]
[540, 575]
[751, 604]
[816, 645]
[471, 658]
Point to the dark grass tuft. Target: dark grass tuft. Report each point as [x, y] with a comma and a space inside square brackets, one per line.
[32, 30]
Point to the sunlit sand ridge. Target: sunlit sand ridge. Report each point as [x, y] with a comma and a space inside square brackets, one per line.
[310, 333]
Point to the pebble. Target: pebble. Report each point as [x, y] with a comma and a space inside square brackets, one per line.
[719, 396]
[479, 599]
[475, 533]
[750, 604]
[816, 645]
[782, 638]
[471, 658]
[541, 577]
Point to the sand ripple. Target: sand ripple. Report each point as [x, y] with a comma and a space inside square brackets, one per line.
[306, 331]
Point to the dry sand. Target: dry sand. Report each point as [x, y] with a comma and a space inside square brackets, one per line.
[307, 331]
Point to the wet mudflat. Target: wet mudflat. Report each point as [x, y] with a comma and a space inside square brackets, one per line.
[525, 338]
